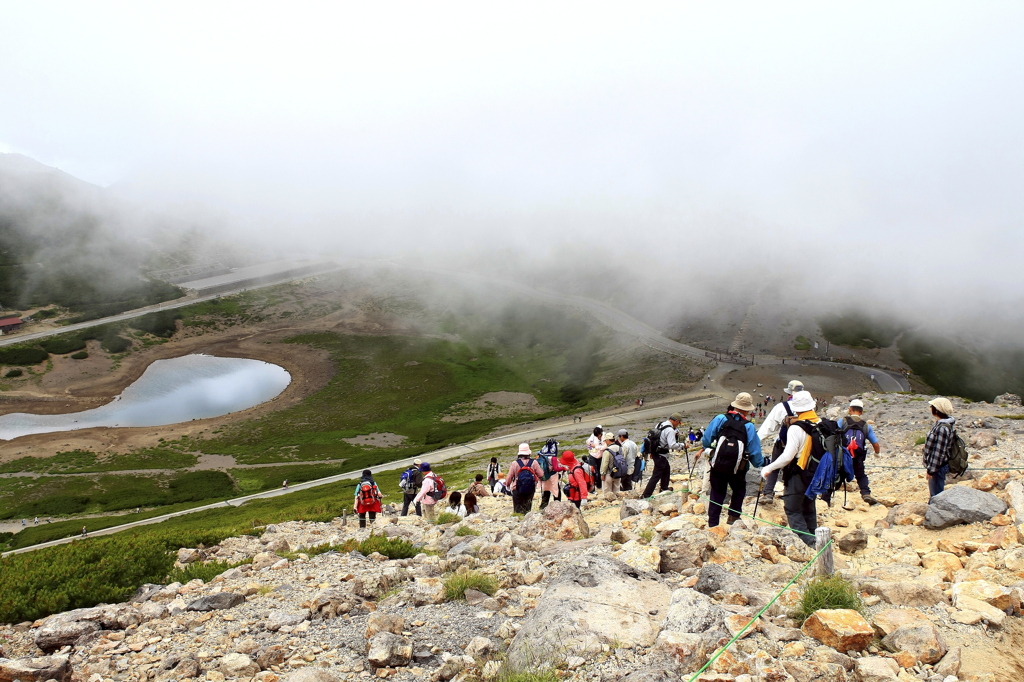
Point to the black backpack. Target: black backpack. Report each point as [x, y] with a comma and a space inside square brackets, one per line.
[652, 441]
[856, 433]
[729, 454]
[825, 437]
[957, 454]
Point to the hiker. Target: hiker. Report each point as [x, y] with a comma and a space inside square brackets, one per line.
[613, 464]
[595, 448]
[937, 445]
[666, 440]
[455, 505]
[797, 462]
[493, 472]
[732, 445]
[523, 475]
[284, 486]
[427, 496]
[547, 457]
[857, 433]
[367, 498]
[477, 488]
[630, 450]
[579, 481]
[410, 483]
[772, 426]
[84, 531]
[472, 506]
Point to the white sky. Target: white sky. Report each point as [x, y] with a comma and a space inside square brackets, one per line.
[449, 122]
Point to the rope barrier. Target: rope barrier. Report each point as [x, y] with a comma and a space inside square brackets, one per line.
[755, 518]
[764, 608]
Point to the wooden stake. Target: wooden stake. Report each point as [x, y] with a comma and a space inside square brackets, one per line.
[826, 563]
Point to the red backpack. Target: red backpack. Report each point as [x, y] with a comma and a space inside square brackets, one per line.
[368, 494]
[440, 491]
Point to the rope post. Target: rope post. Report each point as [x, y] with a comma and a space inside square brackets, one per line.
[344, 517]
[823, 541]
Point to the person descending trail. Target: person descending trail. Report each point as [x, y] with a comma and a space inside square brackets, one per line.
[659, 441]
[731, 446]
[493, 472]
[857, 433]
[410, 482]
[368, 498]
[772, 426]
[578, 481]
[595, 448]
[524, 474]
[937, 445]
[629, 452]
[613, 463]
[431, 492]
[798, 463]
[547, 458]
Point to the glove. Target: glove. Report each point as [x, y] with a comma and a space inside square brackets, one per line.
[583, 503]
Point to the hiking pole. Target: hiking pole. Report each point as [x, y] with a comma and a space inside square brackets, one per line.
[760, 488]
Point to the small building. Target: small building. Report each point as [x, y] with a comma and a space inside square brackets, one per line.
[9, 324]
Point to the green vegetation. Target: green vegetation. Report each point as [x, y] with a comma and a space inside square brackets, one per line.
[62, 344]
[22, 355]
[456, 584]
[392, 548]
[858, 330]
[205, 572]
[80, 355]
[920, 440]
[12, 373]
[267, 478]
[527, 676]
[828, 592]
[952, 368]
[444, 518]
[802, 343]
[161, 323]
[466, 530]
[84, 462]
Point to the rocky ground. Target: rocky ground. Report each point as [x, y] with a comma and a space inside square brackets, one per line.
[631, 590]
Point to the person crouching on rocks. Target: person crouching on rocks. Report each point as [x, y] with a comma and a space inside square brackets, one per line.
[578, 482]
[367, 498]
[732, 445]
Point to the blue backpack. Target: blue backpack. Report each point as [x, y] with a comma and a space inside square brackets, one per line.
[854, 438]
[526, 484]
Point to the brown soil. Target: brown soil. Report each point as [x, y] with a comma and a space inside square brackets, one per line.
[822, 382]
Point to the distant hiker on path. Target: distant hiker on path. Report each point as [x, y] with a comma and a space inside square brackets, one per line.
[523, 477]
[630, 450]
[595, 448]
[410, 482]
[578, 483]
[773, 426]
[798, 463]
[368, 498]
[857, 433]
[731, 445]
[427, 496]
[658, 450]
[937, 444]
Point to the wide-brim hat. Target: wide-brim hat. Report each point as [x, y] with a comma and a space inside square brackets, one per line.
[794, 386]
[524, 449]
[802, 401]
[567, 457]
[942, 405]
[743, 402]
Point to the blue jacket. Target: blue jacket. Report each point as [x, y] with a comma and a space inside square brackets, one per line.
[752, 449]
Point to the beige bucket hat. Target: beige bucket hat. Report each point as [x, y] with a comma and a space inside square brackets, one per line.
[743, 402]
[942, 405]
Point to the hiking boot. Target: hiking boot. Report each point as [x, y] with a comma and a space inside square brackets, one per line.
[733, 518]
[767, 500]
[868, 498]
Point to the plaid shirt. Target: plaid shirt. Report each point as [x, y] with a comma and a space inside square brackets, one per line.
[936, 445]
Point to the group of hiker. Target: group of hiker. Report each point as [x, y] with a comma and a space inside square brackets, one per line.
[813, 456]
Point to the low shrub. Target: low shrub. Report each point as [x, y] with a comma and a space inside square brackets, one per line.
[115, 344]
[14, 373]
[63, 344]
[205, 572]
[161, 323]
[80, 355]
[445, 518]
[466, 530]
[392, 548]
[456, 584]
[828, 592]
[21, 355]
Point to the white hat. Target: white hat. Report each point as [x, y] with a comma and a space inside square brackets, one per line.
[857, 402]
[417, 462]
[794, 386]
[942, 405]
[802, 402]
[524, 449]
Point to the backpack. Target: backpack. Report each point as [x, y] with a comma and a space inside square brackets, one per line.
[526, 484]
[855, 438]
[652, 441]
[368, 494]
[406, 482]
[440, 491]
[957, 454]
[825, 437]
[729, 454]
[548, 458]
[617, 468]
[569, 487]
[638, 470]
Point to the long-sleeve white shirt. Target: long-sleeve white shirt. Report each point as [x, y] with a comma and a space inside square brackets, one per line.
[773, 422]
[795, 439]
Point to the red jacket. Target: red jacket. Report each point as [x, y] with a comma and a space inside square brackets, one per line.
[579, 482]
[372, 505]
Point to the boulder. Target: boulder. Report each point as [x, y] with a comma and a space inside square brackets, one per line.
[687, 548]
[558, 521]
[1014, 560]
[982, 439]
[905, 593]
[853, 541]
[238, 665]
[920, 639]
[691, 611]
[901, 514]
[479, 648]
[631, 507]
[713, 578]
[950, 664]
[943, 563]
[891, 619]
[277, 619]
[31, 669]
[216, 602]
[975, 611]
[1008, 399]
[639, 555]
[1015, 489]
[842, 629]
[64, 629]
[188, 556]
[687, 651]
[275, 654]
[593, 602]
[1002, 598]
[388, 650]
[876, 669]
[961, 504]
[145, 592]
[384, 622]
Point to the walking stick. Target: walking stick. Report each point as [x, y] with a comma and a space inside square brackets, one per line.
[760, 487]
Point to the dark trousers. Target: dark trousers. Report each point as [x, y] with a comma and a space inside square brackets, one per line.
[800, 510]
[770, 482]
[937, 483]
[546, 497]
[521, 504]
[362, 518]
[625, 483]
[595, 465]
[861, 475]
[407, 499]
[576, 502]
[661, 473]
[719, 483]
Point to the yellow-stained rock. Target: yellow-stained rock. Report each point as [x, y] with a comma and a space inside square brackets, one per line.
[891, 619]
[842, 629]
[998, 596]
